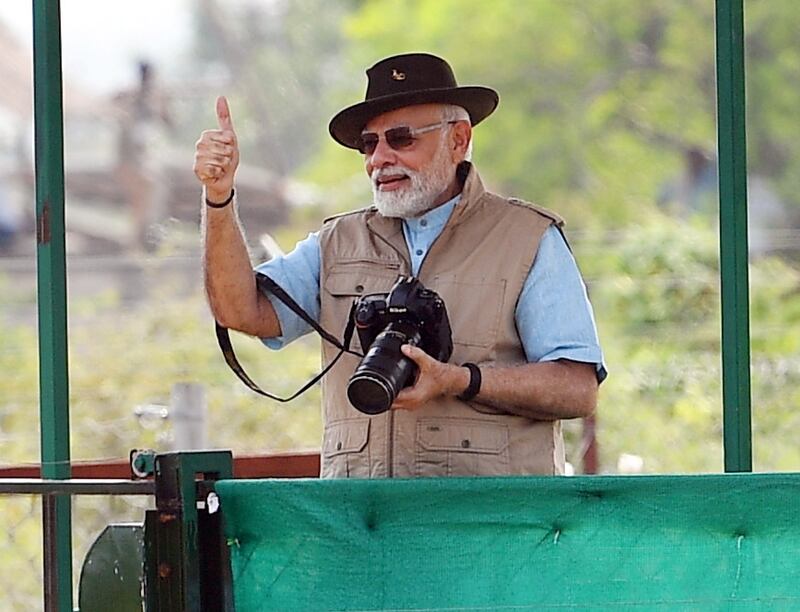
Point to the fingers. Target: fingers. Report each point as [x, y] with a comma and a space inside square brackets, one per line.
[214, 157]
[224, 115]
[216, 152]
[406, 400]
[209, 173]
[212, 147]
[425, 387]
[221, 137]
[416, 354]
[423, 361]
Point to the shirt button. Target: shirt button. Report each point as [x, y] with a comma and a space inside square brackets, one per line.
[419, 251]
[424, 223]
[465, 444]
[359, 288]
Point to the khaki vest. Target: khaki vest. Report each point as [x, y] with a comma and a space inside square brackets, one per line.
[478, 265]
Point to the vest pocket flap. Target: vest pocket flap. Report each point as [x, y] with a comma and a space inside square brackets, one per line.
[462, 435]
[356, 279]
[348, 436]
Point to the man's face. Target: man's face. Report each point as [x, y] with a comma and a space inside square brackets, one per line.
[410, 180]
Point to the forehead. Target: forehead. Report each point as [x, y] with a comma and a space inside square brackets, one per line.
[413, 116]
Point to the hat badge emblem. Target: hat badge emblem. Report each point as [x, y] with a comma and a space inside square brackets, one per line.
[398, 75]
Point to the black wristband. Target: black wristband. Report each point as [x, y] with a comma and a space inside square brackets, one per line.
[474, 386]
[221, 204]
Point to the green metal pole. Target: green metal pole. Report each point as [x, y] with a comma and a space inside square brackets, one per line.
[52, 300]
[733, 235]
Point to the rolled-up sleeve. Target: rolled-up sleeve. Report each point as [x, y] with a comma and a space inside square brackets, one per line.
[297, 273]
[554, 316]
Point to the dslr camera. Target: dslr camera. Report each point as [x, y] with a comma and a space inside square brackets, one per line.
[408, 314]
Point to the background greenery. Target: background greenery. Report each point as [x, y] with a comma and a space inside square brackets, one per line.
[600, 102]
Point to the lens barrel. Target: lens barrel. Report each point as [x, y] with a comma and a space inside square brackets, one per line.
[384, 370]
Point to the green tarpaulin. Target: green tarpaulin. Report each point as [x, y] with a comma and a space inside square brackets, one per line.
[716, 542]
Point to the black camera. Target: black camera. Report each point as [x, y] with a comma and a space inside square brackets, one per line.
[408, 314]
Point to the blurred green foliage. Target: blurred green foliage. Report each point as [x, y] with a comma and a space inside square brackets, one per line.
[600, 102]
[656, 297]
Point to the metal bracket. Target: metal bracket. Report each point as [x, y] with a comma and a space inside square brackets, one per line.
[143, 463]
[185, 552]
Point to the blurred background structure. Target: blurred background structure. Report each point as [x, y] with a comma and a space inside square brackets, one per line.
[606, 116]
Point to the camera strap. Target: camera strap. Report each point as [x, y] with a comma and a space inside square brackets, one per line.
[266, 284]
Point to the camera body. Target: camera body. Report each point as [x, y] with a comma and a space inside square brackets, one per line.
[408, 314]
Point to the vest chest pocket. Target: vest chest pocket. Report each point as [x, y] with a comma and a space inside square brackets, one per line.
[474, 309]
[345, 452]
[347, 281]
[461, 447]
[355, 278]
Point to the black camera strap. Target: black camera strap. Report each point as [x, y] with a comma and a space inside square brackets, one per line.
[266, 284]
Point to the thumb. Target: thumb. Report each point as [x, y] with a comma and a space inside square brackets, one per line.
[412, 352]
[224, 114]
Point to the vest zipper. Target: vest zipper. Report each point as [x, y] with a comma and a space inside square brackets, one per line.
[428, 252]
[418, 275]
[406, 259]
[435, 240]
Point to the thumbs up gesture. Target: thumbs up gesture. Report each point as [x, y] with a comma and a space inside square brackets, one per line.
[216, 155]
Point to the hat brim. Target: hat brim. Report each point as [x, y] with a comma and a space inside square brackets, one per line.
[347, 124]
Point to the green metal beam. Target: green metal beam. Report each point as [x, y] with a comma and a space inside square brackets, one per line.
[75, 486]
[52, 299]
[733, 235]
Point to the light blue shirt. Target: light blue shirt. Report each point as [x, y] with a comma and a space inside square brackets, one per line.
[554, 317]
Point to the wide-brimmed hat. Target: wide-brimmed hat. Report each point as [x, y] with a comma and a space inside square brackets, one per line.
[403, 80]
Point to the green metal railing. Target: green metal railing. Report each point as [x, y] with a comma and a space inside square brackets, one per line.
[733, 235]
[52, 299]
[52, 305]
[183, 562]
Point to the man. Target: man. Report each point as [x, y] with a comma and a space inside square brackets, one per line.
[517, 305]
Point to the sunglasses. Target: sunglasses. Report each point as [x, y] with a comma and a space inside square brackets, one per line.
[397, 138]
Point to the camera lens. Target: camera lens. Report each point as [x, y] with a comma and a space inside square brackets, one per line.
[370, 394]
[384, 371]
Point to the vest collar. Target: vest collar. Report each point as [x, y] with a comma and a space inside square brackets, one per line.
[391, 228]
[471, 194]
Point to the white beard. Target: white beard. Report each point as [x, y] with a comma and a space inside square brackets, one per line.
[418, 197]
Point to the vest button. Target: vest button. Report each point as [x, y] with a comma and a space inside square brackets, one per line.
[359, 288]
[338, 446]
[464, 443]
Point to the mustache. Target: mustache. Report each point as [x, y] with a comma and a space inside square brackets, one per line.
[379, 173]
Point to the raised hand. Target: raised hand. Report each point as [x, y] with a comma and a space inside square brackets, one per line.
[216, 155]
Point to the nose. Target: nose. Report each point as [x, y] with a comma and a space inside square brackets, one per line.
[383, 155]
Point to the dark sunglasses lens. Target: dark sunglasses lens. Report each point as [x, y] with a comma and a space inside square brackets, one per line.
[399, 137]
[367, 143]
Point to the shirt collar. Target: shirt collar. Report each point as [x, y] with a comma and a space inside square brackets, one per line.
[433, 219]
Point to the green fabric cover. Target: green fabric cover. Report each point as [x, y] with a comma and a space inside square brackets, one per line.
[716, 542]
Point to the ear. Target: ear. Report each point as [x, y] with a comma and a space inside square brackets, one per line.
[460, 138]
